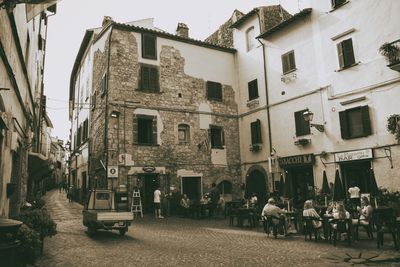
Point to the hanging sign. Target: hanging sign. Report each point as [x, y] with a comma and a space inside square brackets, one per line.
[354, 155]
[296, 160]
[112, 172]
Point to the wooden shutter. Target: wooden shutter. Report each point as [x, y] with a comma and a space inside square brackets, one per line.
[149, 46]
[222, 137]
[285, 63]
[292, 63]
[144, 78]
[366, 120]
[153, 79]
[348, 52]
[135, 130]
[214, 91]
[253, 89]
[288, 62]
[154, 129]
[344, 127]
[302, 126]
[340, 55]
[255, 132]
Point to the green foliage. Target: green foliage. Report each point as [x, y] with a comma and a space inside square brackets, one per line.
[392, 125]
[390, 51]
[36, 202]
[30, 243]
[40, 221]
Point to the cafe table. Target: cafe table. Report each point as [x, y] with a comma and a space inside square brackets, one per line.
[246, 213]
[292, 219]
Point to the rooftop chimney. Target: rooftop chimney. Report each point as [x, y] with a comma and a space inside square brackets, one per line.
[182, 30]
[106, 20]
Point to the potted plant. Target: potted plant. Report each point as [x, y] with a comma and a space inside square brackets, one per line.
[391, 51]
[393, 126]
[30, 244]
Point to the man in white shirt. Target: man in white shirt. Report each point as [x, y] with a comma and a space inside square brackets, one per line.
[157, 203]
[354, 192]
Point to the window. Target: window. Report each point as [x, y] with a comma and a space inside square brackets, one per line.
[288, 62]
[149, 46]
[85, 130]
[225, 187]
[337, 3]
[214, 91]
[256, 132]
[217, 137]
[253, 89]
[355, 122]
[183, 133]
[149, 78]
[345, 53]
[250, 38]
[302, 126]
[103, 85]
[146, 130]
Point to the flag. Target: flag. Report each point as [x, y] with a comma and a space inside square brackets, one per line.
[35, 7]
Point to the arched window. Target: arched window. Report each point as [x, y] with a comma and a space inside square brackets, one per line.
[183, 133]
[225, 187]
[250, 38]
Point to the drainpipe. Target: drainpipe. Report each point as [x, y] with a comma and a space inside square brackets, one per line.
[266, 86]
[106, 119]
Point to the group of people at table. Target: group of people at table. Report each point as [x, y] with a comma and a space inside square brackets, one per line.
[335, 210]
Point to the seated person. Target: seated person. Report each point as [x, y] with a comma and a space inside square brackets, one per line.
[253, 200]
[309, 211]
[185, 204]
[331, 208]
[341, 213]
[221, 205]
[365, 212]
[270, 209]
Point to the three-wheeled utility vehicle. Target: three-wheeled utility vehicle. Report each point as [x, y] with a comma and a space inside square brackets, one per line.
[107, 209]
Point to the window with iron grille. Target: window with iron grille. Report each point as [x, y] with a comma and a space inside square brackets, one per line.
[355, 122]
[253, 89]
[214, 91]
[217, 137]
[345, 53]
[256, 132]
[302, 126]
[288, 62]
[149, 78]
[145, 130]
[149, 46]
[183, 133]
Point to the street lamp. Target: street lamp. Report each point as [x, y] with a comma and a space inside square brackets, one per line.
[308, 116]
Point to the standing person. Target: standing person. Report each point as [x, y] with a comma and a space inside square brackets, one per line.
[157, 203]
[185, 205]
[354, 195]
[69, 194]
[214, 198]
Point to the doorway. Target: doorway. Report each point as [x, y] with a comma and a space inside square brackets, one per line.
[256, 183]
[302, 180]
[357, 173]
[191, 186]
[149, 183]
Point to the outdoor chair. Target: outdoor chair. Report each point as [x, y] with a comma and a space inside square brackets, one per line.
[309, 229]
[368, 227]
[269, 223]
[387, 226]
[339, 227]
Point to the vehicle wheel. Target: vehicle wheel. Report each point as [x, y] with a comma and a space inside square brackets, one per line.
[91, 231]
[122, 232]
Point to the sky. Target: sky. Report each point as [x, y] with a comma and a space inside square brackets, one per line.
[67, 28]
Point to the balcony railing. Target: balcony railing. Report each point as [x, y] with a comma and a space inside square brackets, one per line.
[392, 53]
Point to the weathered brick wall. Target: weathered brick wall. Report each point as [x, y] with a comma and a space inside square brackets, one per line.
[171, 109]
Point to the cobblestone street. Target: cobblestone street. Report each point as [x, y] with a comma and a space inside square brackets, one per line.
[184, 242]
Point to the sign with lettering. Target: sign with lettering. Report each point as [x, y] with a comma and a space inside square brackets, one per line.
[296, 160]
[149, 169]
[354, 155]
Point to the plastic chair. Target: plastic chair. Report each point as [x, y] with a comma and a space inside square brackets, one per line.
[309, 228]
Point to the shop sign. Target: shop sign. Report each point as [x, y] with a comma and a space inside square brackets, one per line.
[354, 155]
[296, 160]
[112, 172]
[149, 168]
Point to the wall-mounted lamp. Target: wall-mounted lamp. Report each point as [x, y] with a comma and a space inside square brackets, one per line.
[115, 114]
[308, 116]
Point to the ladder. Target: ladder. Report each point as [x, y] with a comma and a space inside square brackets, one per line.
[136, 207]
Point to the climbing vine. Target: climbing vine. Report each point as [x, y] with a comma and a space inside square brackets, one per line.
[393, 125]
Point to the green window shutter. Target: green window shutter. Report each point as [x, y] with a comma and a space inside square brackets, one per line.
[253, 89]
[292, 62]
[154, 137]
[144, 78]
[366, 120]
[149, 46]
[153, 79]
[348, 52]
[135, 130]
[340, 55]
[222, 137]
[253, 129]
[285, 63]
[344, 127]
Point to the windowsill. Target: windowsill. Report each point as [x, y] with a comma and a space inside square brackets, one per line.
[215, 100]
[149, 57]
[290, 71]
[347, 67]
[149, 91]
[338, 6]
[142, 144]
[217, 147]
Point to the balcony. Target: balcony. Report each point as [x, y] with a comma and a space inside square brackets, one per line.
[392, 53]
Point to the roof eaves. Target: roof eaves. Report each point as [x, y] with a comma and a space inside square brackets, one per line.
[173, 37]
[243, 19]
[295, 17]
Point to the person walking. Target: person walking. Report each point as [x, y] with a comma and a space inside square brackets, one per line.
[157, 203]
[69, 194]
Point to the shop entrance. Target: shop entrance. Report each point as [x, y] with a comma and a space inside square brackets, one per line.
[149, 183]
[256, 183]
[357, 173]
[191, 186]
[302, 180]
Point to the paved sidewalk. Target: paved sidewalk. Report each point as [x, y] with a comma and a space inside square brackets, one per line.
[176, 241]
